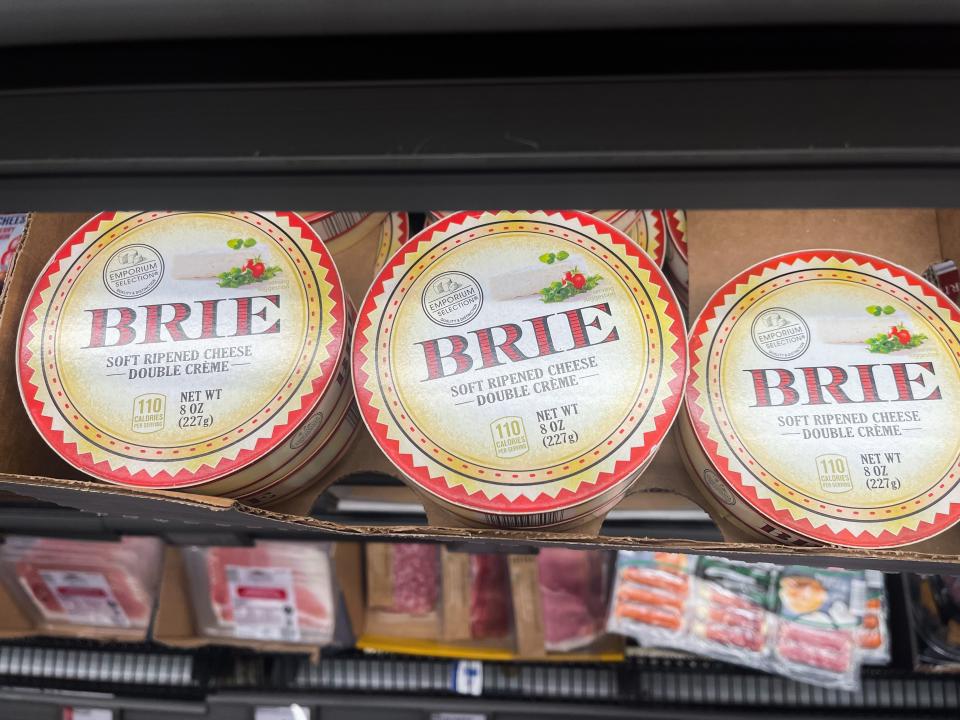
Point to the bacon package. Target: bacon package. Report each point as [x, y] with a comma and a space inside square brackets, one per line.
[520, 369]
[66, 584]
[273, 591]
[651, 597]
[821, 612]
[574, 587]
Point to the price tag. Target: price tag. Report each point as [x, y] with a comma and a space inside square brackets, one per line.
[467, 677]
[282, 712]
[264, 605]
[86, 597]
[86, 713]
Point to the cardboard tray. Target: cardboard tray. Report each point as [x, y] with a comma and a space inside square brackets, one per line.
[721, 243]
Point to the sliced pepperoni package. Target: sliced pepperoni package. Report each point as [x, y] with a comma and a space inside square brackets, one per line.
[651, 597]
[274, 591]
[70, 585]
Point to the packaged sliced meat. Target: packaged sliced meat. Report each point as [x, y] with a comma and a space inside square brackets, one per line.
[732, 611]
[820, 614]
[874, 635]
[573, 593]
[491, 606]
[650, 597]
[84, 583]
[273, 591]
[415, 570]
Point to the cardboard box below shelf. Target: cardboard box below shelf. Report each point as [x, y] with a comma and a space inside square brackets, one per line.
[721, 243]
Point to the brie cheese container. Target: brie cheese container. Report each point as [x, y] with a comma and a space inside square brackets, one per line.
[675, 223]
[821, 402]
[394, 233]
[647, 228]
[195, 351]
[520, 368]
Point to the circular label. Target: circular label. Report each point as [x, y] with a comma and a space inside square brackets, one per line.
[720, 488]
[133, 271]
[519, 361]
[858, 442]
[451, 298]
[234, 327]
[780, 334]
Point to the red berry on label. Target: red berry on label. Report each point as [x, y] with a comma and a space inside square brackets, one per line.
[904, 337]
[578, 281]
[258, 269]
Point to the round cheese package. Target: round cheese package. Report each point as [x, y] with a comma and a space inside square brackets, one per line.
[201, 351]
[821, 402]
[394, 233]
[675, 225]
[520, 368]
[647, 228]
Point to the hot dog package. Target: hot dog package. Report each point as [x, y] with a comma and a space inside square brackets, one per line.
[732, 611]
[651, 597]
[812, 625]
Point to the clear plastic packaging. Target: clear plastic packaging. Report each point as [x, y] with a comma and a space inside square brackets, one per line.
[415, 571]
[573, 593]
[491, 604]
[819, 618]
[651, 596]
[874, 635]
[935, 606]
[731, 611]
[84, 583]
[807, 624]
[272, 591]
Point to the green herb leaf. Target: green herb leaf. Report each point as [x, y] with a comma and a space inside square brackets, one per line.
[547, 258]
[249, 242]
[235, 244]
[563, 255]
[889, 309]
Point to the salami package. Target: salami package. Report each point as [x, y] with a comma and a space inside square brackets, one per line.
[732, 611]
[651, 596]
[874, 636]
[273, 591]
[819, 619]
[82, 583]
[403, 590]
[573, 593]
